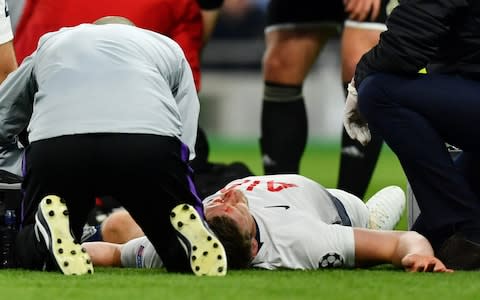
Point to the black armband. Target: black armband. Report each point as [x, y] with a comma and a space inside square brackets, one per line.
[210, 4]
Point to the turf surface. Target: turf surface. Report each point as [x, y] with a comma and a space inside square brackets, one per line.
[320, 163]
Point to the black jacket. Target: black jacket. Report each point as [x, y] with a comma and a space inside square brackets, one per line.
[442, 35]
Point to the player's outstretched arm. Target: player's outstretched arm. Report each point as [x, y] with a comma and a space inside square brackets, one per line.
[406, 249]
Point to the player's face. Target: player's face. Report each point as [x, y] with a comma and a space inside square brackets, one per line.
[232, 204]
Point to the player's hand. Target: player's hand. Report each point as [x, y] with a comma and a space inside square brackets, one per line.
[354, 123]
[358, 10]
[423, 263]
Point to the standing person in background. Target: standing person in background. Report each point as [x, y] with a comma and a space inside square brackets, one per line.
[416, 114]
[295, 35]
[8, 62]
[357, 162]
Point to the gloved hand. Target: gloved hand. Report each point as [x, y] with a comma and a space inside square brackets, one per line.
[355, 125]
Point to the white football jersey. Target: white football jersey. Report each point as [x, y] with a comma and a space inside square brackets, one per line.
[6, 33]
[298, 225]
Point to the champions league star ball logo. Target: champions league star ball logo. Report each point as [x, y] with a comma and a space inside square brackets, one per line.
[331, 260]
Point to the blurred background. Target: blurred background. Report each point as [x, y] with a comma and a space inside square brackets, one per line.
[232, 82]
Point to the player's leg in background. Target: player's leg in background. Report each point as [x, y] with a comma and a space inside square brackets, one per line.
[288, 57]
[382, 211]
[386, 207]
[357, 162]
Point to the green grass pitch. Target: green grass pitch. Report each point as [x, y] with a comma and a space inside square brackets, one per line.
[320, 163]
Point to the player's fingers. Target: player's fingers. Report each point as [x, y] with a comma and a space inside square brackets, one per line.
[440, 267]
[375, 11]
[349, 4]
[419, 267]
[364, 10]
[446, 270]
[429, 267]
[355, 10]
[412, 265]
[409, 264]
[412, 268]
[356, 16]
[435, 265]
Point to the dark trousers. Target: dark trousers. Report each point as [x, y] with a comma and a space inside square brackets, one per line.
[416, 116]
[147, 174]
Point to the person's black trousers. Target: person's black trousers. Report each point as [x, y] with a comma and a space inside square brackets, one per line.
[416, 116]
[147, 174]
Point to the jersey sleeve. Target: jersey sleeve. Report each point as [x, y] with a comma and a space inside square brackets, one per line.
[326, 246]
[336, 247]
[6, 33]
[315, 246]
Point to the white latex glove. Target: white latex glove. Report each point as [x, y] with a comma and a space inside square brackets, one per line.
[355, 125]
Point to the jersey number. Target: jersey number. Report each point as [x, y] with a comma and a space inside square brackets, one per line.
[270, 185]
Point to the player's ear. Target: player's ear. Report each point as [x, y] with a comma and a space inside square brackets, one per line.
[254, 247]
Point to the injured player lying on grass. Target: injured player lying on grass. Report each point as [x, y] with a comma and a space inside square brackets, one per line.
[287, 221]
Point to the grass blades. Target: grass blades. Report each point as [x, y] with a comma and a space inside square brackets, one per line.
[320, 163]
[379, 283]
